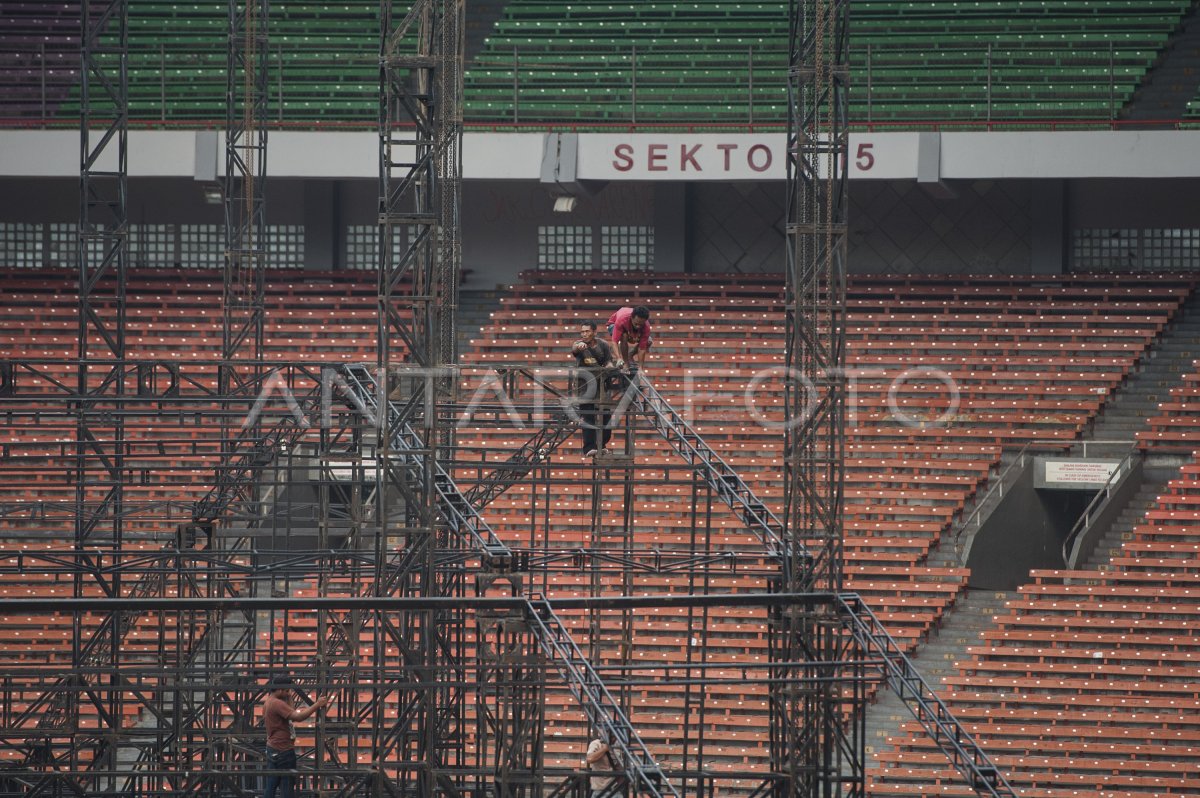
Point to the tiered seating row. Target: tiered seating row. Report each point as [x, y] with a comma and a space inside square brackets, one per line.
[925, 60]
[908, 474]
[1030, 361]
[173, 315]
[708, 62]
[1088, 683]
[1176, 425]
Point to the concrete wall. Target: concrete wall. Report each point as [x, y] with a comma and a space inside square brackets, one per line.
[501, 220]
[896, 227]
[178, 201]
[1133, 203]
[1025, 531]
[659, 156]
[152, 200]
[736, 227]
[1009, 226]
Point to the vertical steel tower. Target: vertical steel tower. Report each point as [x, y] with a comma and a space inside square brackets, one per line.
[419, 250]
[816, 728]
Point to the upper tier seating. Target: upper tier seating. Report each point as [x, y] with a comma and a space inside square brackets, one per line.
[709, 62]
[1087, 685]
[39, 56]
[322, 62]
[721, 62]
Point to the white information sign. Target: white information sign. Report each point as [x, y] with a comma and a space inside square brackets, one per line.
[1080, 472]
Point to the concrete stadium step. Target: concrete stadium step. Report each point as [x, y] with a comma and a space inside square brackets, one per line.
[962, 626]
[1127, 411]
[480, 23]
[1168, 87]
[475, 308]
[1133, 513]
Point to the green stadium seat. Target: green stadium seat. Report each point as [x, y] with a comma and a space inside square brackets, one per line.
[911, 61]
[928, 59]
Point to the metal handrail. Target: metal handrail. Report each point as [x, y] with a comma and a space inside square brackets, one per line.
[727, 484]
[460, 515]
[930, 711]
[537, 449]
[251, 452]
[45, 76]
[902, 676]
[1084, 522]
[688, 443]
[996, 488]
[602, 709]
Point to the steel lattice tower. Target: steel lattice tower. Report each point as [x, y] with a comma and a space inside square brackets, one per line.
[816, 732]
[420, 130]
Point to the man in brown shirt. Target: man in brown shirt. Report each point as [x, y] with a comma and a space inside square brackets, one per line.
[279, 716]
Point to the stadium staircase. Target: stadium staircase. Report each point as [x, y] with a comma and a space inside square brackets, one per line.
[1124, 420]
[1134, 512]
[912, 690]
[1085, 684]
[475, 308]
[1174, 81]
[480, 23]
[1124, 416]
[974, 613]
[1057, 679]
[227, 644]
[937, 658]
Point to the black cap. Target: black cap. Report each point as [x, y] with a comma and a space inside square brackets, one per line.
[281, 680]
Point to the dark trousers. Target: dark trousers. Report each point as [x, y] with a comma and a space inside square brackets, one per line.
[286, 785]
[596, 429]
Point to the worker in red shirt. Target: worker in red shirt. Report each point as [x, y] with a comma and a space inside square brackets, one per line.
[279, 716]
[630, 328]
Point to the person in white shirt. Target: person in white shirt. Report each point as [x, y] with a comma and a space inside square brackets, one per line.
[597, 758]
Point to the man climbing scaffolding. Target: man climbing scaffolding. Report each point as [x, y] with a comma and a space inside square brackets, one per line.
[630, 328]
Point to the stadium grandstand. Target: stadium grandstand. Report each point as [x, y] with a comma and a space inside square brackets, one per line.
[903, 499]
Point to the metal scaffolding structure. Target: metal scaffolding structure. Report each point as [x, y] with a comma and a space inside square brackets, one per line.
[244, 192]
[420, 131]
[817, 733]
[103, 255]
[342, 536]
[247, 92]
[367, 685]
[97, 467]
